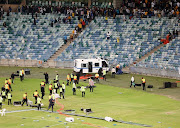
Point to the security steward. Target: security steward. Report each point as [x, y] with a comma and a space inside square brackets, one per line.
[42, 89]
[39, 103]
[56, 86]
[75, 79]
[61, 92]
[20, 75]
[63, 87]
[9, 96]
[6, 88]
[57, 77]
[104, 75]
[97, 77]
[50, 95]
[10, 82]
[83, 91]
[68, 79]
[143, 83]
[51, 103]
[74, 89]
[50, 88]
[35, 94]
[3, 93]
[24, 99]
[72, 78]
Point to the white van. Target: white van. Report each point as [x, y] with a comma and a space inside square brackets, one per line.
[90, 65]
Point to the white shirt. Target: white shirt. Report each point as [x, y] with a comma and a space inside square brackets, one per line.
[132, 79]
[113, 70]
[108, 34]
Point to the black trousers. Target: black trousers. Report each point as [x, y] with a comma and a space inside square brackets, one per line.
[144, 88]
[7, 90]
[4, 97]
[91, 88]
[50, 91]
[74, 91]
[104, 77]
[56, 89]
[0, 105]
[12, 80]
[67, 82]
[35, 99]
[9, 101]
[61, 93]
[24, 100]
[71, 80]
[42, 94]
[51, 105]
[21, 78]
[39, 106]
[83, 94]
[47, 81]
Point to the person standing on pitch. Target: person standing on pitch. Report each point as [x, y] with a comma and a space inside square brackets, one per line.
[113, 72]
[104, 75]
[3, 93]
[63, 87]
[46, 77]
[6, 88]
[51, 104]
[74, 89]
[35, 96]
[57, 77]
[24, 99]
[20, 75]
[50, 88]
[9, 96]
[132, 81]
[83, 90]
[50, 95]
[72, 78]
[39, 103]
[56, 86]
[68, 79]
[12, 77]
[10, 82]
[0, 102]
[143, 83]
[61, 92]
[91, 84]
[42, 89]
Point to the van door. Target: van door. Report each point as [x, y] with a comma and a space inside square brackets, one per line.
[89, 66]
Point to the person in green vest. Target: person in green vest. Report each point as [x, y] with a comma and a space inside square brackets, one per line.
[9, 96]
[61, 91]
[3, 93]
[83, 90]
[21, 75]
[57, 77]
[72, 78]
[0, 102]
[74, 89]
[104, 75]
[56, 86]
[39, 103]
[63, 87]
[50, 96]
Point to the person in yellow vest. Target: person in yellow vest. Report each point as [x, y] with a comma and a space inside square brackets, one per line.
[75, 79]
[9, 96]
[83, 90]
[20, 75]
[10, 82]
[3, 93]
[72, 78]
[57, 77]
[79, 27]
[6, 81]
[23, 73]
[50, 88]
[63, 87]
[51, 103]
[104, 75]
[74, 89]
[39, 103]
[35, 94]
[50, 95]
[61, 92]
[117, 68]
[143, 83]
[24, 99]
[6, 88]
[56, 86]
[68, 79]
[97, 77]
[42, 88]
[53, 96]
[0, 102]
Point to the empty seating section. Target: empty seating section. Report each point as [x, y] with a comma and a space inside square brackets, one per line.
[167, 57]
[137, 37]
[23, 40]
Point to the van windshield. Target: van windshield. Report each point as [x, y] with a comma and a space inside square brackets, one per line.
[104, 64]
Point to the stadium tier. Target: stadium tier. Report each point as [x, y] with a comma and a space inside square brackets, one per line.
[136, 38]
[20, 39]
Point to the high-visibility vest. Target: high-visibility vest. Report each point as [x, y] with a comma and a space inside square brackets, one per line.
[74, 85]
[60, 89]
[63, 86]
[6, 86]
[57, 77]
[3, 93]
[9, 81]
[0, 99]
[143, 81]
[24, 96]
[6, 81]
[56, 85]
[72, 75]
[50, 87]
[9, 95]
[118, 66]
[83, 89]
[42, 83]
[104, 72]
[49, 97]
[38, 100]
[20, 73]
[75, 77]
[97, 75]
[53, 96]
[35, 93]
[68, 77]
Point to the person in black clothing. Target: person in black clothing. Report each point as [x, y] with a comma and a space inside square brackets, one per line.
[52, 24]
[12, 77]
[46, 77]
[42, 90]
[51, 104]
[34, 21]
